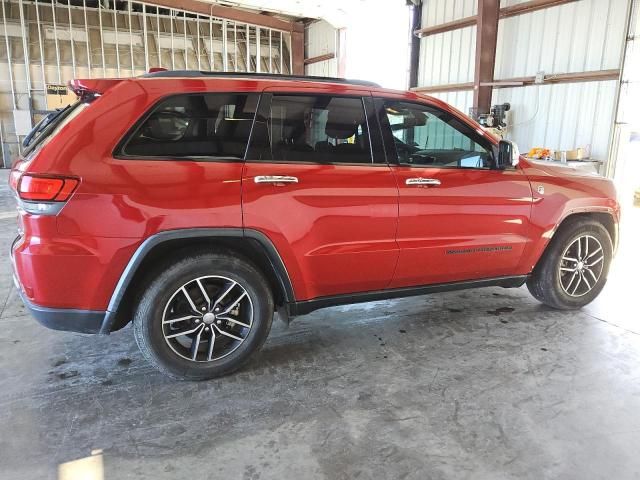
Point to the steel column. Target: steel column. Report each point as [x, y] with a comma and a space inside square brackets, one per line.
[6, 39]
[173, 61]
[225, 47]
[115, 26]
[235, 47]
[258, 52]
[55, 38]
[104, 63]
[198, 40]
[486, 40]
[248, 50]
[130, 39]
[25, 47]
[297, 51]
[73, 51]
[144, 35]
[86, 32]
[281, 53]
[270, 53]
[44, 76]
[184, 34]
[211, 65]
[158, 47]
[416, 23]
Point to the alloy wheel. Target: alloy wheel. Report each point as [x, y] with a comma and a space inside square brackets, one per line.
[207, 318]
[581, 266]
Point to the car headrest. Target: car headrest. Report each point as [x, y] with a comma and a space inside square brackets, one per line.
[234, 128]
[340, 124]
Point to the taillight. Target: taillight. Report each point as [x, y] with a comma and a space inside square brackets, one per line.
[47, 189]
[42, 194]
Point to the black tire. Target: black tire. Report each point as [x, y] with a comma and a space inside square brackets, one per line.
[148, 326]
[545, 282]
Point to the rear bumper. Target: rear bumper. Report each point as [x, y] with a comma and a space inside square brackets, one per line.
[70, 320]
[67, 319]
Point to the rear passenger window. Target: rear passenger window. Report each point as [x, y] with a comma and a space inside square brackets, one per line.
[319, 129]
[212, 125]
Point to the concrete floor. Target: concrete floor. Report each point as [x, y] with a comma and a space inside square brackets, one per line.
[482, 384]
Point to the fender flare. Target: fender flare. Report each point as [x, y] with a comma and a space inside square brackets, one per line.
[602, 210]
[209, 233]
[577, 211]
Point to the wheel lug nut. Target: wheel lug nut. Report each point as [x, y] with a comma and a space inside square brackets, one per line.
[219, 322]
[203, 309]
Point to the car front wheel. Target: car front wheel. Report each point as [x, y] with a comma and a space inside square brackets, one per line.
[574, 268]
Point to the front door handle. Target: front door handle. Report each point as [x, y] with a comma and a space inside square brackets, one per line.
[428, 182]
[275, 179]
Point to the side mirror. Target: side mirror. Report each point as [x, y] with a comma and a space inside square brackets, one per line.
[508, 154]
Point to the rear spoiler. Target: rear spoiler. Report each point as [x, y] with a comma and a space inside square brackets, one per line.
[84, 87]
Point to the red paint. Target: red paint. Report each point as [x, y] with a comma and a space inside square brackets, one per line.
[335, 229]
[471, 209]
[341, 229]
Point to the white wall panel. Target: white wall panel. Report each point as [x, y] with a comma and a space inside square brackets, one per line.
[327, 68]
[435, 12]
[579, 36]
[462, 100]
[561, 117]
[447, 57]
[320, 39]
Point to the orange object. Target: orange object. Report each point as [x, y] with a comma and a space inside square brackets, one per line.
[538, 152]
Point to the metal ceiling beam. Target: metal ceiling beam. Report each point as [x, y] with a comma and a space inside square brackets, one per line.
[319, 58]
[506, 12]
[449, 87]
[229, 13]
[573, 77]
[486, 41]
[531, 6]
[446, 27]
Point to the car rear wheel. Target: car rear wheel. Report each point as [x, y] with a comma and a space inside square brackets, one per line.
[574, 268]
[204, 316]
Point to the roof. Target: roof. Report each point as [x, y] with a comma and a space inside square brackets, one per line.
[254, 76]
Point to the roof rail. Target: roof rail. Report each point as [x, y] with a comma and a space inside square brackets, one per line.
[259, 76]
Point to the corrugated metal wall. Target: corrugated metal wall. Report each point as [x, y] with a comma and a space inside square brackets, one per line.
[579, 36]
[321, 38]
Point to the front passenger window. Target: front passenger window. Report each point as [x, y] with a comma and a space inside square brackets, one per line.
[425, 136]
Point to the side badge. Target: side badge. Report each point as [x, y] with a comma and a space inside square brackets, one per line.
[541, 189]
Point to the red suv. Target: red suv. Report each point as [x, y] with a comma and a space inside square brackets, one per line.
[196, 205]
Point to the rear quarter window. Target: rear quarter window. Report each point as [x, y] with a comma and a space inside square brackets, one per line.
[200, 126]
[44, 133]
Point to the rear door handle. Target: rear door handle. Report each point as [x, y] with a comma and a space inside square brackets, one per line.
[429, 182]
[275, 179]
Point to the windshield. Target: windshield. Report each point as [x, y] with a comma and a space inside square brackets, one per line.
[50, 125]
